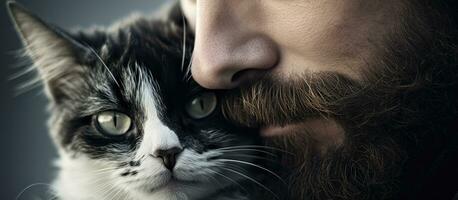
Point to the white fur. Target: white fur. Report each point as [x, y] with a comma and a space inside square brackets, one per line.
[82, 178]
[86, 179]
[157, 136]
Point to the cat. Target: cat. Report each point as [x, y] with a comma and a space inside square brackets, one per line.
[128, 120]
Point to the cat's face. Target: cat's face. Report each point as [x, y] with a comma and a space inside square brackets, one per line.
[126, 118]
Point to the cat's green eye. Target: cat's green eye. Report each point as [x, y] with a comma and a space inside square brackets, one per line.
[201, 105]
[113, 123]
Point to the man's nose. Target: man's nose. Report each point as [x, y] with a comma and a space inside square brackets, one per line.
[228, 52]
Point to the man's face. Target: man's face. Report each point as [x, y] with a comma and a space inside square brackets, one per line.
[236, 39]
[343, 84]
[239, 41]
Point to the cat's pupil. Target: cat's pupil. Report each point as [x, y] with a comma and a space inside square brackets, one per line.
[115, 120]
[202, 106]
[113, 123]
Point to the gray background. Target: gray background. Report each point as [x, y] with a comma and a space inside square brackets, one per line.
[26, 148]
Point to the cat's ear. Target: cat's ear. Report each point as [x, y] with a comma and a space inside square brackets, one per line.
[53, 51]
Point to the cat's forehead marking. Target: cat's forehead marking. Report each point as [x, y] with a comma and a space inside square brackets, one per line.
[156, 135]
[136, 81]
[131, 79]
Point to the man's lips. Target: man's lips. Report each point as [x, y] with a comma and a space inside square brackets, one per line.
[271, 131]
[326, 132]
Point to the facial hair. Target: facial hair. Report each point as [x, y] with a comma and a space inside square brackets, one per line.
[368, 162]
[406, 96]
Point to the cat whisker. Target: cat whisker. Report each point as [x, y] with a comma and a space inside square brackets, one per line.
[187, 76]
[224, 176]
[103, 171]
[229, 179]
[253, 150]
[109, 193]
[252, 156]
[54, 197]
[106, 169]
[117, 194]
[257, 146]
[31, 186]
[211, 178]
[132, 181]
[99, 182]
[52, 194]
[105, 190]
[254, 165]
[184, 43]
[104, 64]
[252, 180]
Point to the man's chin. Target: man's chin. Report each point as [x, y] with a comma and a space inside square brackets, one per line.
[354, 169]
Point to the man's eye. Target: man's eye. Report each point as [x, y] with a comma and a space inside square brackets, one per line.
[113, 123]
[202, 105]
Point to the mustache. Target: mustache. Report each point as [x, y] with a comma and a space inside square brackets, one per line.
[274, 101]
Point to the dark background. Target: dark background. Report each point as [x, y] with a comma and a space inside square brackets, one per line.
[26, 149]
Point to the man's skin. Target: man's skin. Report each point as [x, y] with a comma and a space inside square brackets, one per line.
[240, 42]
[237, 40]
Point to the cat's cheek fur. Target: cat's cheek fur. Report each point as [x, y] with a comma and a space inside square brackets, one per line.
[82, 178]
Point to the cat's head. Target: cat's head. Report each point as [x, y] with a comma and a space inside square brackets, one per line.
[127, 120]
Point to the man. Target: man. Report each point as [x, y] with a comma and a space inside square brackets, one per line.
[364, 93]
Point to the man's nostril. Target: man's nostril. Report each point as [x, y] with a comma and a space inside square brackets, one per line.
[247, 76]
[237, 75]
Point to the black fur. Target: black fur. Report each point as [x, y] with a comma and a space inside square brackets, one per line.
[137, 50]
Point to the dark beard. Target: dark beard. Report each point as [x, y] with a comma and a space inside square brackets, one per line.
[368, 170]
[408, 97]
[366, 166]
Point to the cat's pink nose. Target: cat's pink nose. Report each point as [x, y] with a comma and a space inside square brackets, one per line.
[227, 54]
